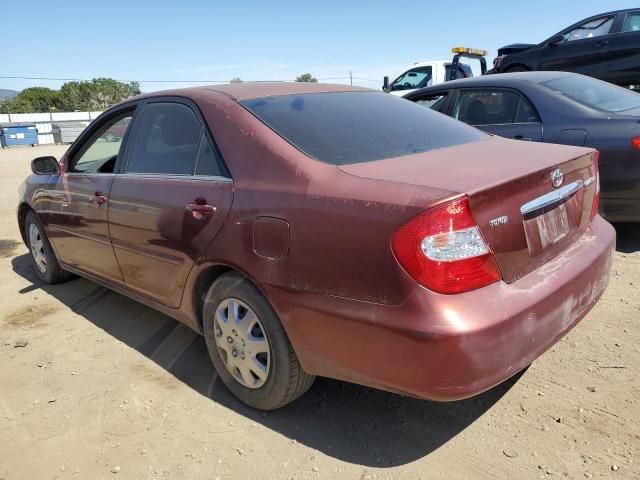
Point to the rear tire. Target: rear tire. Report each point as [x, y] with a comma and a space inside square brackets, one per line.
[238, 322]
[43, 259]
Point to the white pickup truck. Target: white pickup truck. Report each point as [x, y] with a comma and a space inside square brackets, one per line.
[425, 74]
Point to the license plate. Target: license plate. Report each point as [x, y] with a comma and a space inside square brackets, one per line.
[553, 226]
[547, 229]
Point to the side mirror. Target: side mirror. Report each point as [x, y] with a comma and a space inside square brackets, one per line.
[555, 40]
[385, 84]
[45, 165]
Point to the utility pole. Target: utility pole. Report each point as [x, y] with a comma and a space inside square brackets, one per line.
[350, 77]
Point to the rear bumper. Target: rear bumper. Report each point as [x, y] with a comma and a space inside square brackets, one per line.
[448, 347]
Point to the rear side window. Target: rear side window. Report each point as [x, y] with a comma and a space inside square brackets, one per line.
[354, 127]
[493, 107]
[464, 71]
[209, 162]
[166, 141]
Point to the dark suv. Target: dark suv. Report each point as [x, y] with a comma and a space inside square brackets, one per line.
[605, 46]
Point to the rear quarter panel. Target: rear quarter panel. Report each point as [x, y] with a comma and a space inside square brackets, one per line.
[340, 225]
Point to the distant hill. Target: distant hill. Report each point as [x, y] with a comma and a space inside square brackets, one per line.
[6, 93]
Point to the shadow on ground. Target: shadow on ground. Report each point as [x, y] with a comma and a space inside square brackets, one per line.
[628, 237]
[348, 422]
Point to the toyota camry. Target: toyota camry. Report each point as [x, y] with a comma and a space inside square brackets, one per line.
[309, 229]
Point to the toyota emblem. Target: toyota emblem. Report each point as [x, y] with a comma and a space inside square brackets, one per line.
[557, 177]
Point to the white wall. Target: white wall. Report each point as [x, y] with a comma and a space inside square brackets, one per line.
[43, 121]
[48, 117]
[29, 117]
[70, 116]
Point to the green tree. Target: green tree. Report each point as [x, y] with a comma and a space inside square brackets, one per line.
[74, 96]
[306, 77]
[17, 104]
[43, 99]
[30, 100]
[98, 94]
[236, 80]
[107, 91]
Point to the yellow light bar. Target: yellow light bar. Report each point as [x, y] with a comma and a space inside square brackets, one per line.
[470, 51]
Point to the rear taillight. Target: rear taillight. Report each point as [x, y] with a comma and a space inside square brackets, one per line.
[635, 141]
[443, 250]
[596, 195]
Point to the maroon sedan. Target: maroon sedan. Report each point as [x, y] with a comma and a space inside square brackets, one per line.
[311, 229]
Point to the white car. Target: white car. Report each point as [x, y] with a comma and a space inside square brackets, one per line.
[425, 74]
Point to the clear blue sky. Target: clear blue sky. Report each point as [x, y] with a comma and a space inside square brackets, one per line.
[213, 40]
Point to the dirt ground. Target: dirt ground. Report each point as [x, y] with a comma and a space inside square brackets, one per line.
[94, 386]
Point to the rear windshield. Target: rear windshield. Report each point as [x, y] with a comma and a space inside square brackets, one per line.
[464, 71]
[354, 127]
[595, 93]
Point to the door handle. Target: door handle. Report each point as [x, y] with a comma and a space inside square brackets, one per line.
[200, 208]
[520, 137]
[99, 198]
[601, 43]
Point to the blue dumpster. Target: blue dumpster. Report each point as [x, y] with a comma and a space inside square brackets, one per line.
[11, 135]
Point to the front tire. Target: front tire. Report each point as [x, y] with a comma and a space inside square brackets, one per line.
[248, 346]
[43, 259]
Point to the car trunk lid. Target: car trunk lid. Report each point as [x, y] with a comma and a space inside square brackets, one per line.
[523, 216]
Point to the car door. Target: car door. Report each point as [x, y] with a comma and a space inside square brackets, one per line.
[624, 56]
[169, 201]
[584, 50]
[77, 219]
[504, 112]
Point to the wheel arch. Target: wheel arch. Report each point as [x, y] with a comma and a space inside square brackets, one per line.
[205, 279]
[207, 276]
[23, 210]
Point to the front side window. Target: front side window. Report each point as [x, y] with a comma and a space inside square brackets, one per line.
[493, 107]
[631, 22]
[415, 78]
[353, 127]
[166, 141]
[594, 28]
[100, 153]
[434, 102]
[595, 93]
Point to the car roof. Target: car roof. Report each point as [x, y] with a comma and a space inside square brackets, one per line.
[249, 90]
[499, 80]
[624, 10]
